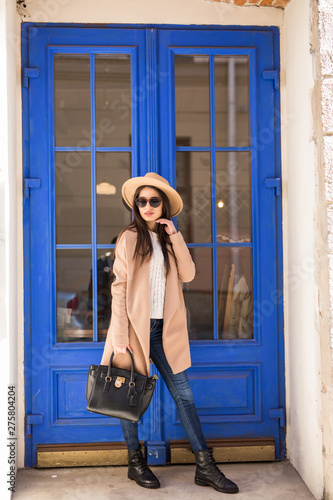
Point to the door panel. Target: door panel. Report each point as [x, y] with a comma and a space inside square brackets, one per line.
[111, 103]
[218, 108]
[84, 143]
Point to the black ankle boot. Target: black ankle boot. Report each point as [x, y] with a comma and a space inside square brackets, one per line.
[139, 471]
[208, 474]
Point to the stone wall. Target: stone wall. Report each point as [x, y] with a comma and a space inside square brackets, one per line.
[322, 110]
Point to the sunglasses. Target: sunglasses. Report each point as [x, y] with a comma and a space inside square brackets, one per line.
[153, 202]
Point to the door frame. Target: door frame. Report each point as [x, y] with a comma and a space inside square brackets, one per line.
[27, 29]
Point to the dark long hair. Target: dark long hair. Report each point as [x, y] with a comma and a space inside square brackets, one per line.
[144, 247]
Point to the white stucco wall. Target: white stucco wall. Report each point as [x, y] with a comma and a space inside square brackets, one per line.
[300, 178]
[323, 49]
[8, 243]
[150, 11]
[304, 443]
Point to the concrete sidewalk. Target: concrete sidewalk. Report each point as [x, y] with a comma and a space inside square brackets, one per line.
[256, 481]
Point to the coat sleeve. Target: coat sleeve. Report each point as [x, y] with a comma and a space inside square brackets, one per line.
[185, 264]
[118, 329]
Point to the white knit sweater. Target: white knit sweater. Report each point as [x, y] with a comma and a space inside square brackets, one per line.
[157, 280]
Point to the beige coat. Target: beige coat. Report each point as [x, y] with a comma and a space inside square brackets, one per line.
[130, 319]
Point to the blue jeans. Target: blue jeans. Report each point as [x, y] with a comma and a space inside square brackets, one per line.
[180, 390]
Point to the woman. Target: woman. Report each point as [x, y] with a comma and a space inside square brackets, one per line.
[149, 317]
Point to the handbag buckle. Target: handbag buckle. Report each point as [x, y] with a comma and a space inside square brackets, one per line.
[119, 381]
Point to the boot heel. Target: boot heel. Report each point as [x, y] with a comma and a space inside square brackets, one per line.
[129, 475]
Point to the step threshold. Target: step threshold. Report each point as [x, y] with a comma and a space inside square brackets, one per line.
[115, 453]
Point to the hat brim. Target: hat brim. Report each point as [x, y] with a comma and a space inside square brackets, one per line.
[129, 187]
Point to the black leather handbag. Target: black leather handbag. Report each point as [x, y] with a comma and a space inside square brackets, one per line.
[119, 393]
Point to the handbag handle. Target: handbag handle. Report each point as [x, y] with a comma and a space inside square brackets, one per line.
[108, 375]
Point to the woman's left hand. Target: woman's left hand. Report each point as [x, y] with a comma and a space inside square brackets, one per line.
[169, 226]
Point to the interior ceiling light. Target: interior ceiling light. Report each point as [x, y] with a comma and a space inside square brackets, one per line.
[106, 189]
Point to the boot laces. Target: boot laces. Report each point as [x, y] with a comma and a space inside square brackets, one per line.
[211, 461]
[140, 461]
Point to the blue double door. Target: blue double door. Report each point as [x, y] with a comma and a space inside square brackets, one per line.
[200, 107]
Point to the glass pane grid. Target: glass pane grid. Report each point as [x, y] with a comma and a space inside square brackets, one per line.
[93, 133]
[224, 130]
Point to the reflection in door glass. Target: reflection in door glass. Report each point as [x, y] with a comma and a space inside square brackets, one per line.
[113, 100]
[105, 277]
[235, 293]
[232, 101]
[73, 197]
[194, 186]
[192, 99]
[198, 295]
[233, 197]
[72, 100]
[112, 170]
[74, 315]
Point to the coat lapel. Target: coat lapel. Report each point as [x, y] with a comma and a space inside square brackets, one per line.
[171, 295]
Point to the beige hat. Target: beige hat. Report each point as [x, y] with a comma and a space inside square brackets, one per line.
[155, 180]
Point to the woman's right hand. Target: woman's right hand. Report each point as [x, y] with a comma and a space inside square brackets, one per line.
[121, 348]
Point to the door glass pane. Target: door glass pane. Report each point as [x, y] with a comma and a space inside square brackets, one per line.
[72, 197]
[72, 100]
[113, 100]
[232, 101]
[105, 276]
[192, 99]
[198, 295]
[233, 197]
[193, 179]
[74, 315]
[235, 293]
[112, 170]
